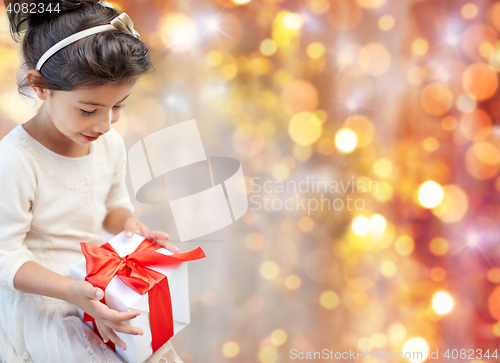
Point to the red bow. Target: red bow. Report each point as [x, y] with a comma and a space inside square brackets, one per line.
[104, 262]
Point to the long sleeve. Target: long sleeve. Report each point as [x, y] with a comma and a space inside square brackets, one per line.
[17, 197]
[118, 195]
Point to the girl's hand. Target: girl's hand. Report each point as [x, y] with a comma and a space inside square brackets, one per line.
[86, 297]
[133, 225]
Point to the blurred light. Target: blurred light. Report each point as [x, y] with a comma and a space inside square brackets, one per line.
[346, 140]
[436, 99]
[315, 50]
[388, 268]
[292, 21]
[438, 246]
[212, 24]
[378, 339]
[279, 337]
[360, 225]
[452, 39]
[306, 224]
[494, 275]
[487, 49]
[255, 241]
[280, 172]
[319, 6]
[377, 223]
[172, 100]
[305, 128]
[268, 355]
[442, 303]
[404, 245]
[430, 144]
[473, 239]
[292, 282]
[230, 349]
[416, 75]
[466, 103]
[241, 2]
[449, 123]
[417, 349]
[386, 22]
[351, 104]
[179, 32]
[438, 274]
[374, 59]
[213, 58]
[480, 80]
[382, 167]
[371, 4]
[396, 333]
[269, 270]
[382, 191]
[268, 47]
[430, 194]
[329, 300]
[469, 11]
[420, 46]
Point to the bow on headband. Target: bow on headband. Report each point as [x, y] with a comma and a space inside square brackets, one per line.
[124, 24]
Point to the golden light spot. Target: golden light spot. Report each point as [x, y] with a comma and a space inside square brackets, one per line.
[454, 205]
[241, 2]
[329, 300]
[213, 58]
[442, 303]
[377, 223]
[178, 32]
[268, 47]
[292, 282]
[438, 246]
[344, 15]
[437, 274]
[292, 21]
[487, 49]
[495, 15]
[374, 59]
[319, 6]
[382, 167]
[371, 4]
[306, 224]
[229, 71]
[300, 96]
[386, 22]
[305, 128]
[404, 245]
[365, 343]
[346, 140]
[302, 152]
[315, 50]
[494, 303]
[326, 146]
[255, 241]
[482, 160]
[420, 46]
[279, 337]
[466, 103]
[449, 123]
[475, 125]
[430, 194]
[361, 225]
[363, 128]
[280, 172]
[480, 80]
[496, 330]
[436, 99]
[382, 191]
[416, 75]
[378, 340]
[268, 355]
[230, 349]
[494, 275]
[269, 270]
[430, 144]
[396, 333]
[416, 345]
[469, 11]
[388, 268]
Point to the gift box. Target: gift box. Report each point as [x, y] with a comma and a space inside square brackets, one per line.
[137, 274]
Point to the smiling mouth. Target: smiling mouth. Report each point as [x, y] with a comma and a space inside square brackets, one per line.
[89, 138]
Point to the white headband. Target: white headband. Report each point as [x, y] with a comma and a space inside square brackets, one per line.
[122, 23]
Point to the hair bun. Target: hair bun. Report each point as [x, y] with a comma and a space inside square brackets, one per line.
[31, 13]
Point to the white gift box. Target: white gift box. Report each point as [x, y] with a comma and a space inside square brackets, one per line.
[119, 296]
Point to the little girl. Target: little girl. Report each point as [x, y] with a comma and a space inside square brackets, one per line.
[62, 179]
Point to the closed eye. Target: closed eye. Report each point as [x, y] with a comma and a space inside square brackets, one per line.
[87, 113]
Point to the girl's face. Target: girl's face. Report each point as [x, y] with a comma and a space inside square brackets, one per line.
[82, 115]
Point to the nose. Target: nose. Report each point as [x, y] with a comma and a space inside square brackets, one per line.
[104, 124]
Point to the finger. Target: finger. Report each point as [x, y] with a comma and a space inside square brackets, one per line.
[102, 332]
[114, 338]
[152, 235]
[167, 245]
[131, 227]
[93, 292]
[123, 328]
[104, 312]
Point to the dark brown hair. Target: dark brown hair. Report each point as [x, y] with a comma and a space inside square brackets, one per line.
[110, 57]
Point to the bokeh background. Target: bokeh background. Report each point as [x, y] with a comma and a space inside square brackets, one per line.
[399, 98]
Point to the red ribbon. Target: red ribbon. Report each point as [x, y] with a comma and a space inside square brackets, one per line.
[103, 263]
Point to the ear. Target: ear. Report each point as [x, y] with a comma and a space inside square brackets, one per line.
[35, 79]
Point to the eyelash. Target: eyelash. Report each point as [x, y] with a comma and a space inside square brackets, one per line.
[90, 113]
